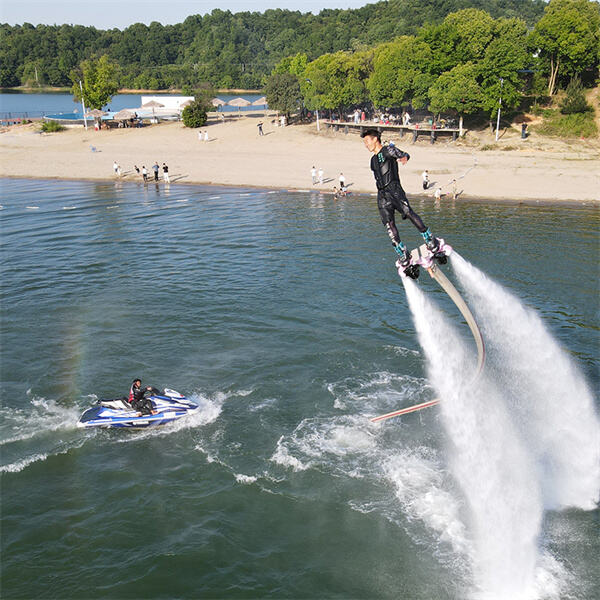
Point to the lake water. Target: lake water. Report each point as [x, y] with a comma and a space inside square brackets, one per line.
[283, 316]
[19, 105]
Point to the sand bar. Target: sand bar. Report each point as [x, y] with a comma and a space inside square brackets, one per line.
[236, 155]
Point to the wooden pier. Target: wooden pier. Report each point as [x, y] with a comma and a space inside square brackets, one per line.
[419, 129]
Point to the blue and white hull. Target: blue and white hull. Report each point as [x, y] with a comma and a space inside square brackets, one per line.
[117, 413]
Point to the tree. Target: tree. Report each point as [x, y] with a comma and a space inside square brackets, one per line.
[505, 56]
[457, 90]
[401, 73]
[283, 92]
[567, 38]
[296, 65]
[574, 100]
[99, 78]
[462, 37]
[194, 114]
[337, 80]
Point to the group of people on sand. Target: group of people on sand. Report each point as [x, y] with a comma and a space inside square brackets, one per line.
[155, 170]
[144, 171]
[318, 177]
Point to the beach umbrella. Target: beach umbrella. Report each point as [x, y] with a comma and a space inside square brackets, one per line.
[260, 102]
[153, 104]
[239, 102]
[186, 103]
[96, 113]
[217, 102]
[124, 115]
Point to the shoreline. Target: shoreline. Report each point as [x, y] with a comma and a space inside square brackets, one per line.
[466, 199]
[282, 159]
[67, 90]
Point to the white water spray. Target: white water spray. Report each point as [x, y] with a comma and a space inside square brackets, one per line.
[488, 460]
[551, 402]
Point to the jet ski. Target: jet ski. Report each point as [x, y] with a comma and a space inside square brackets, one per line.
[168, 406]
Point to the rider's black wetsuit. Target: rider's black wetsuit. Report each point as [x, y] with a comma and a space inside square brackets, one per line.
[390, 195]
[138, 400]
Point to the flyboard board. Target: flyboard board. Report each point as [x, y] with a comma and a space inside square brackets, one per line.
[423, 257]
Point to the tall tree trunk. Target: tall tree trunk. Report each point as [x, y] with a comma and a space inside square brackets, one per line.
[553, 75]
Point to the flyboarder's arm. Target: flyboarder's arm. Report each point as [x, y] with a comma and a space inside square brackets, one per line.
[402, 156]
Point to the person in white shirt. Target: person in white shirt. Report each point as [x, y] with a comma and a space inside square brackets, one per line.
[342, 180]
[313, 174]
[321, 174]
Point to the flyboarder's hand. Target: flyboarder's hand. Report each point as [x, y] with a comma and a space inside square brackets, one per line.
[403, 160]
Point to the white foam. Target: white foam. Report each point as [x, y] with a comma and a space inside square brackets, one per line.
[282, 457]
[21, 464]
[552, 404]
[487, 459]
[245, 479]
[43, 416]
[420, 487]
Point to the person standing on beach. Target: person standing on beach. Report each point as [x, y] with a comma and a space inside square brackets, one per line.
[391, 196]
[155, 168]
[313, 174]
[321, 174]
[144, 173]
[454, 190]
[425, 176]
[206, 136]
[342, 180]
[260, 128]
[166, 173]
[115, 167]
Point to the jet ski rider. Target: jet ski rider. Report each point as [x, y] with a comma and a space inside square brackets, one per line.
[137, 397]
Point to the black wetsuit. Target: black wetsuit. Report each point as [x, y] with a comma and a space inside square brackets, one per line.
[138, 400]
[390, 195]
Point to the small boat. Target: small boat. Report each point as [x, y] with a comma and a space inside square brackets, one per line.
[167, 407]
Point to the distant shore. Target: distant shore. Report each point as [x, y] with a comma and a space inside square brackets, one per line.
[48, 89]
[236, 155]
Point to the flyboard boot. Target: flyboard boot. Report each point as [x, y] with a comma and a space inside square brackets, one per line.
[405, 262]
[434, 246]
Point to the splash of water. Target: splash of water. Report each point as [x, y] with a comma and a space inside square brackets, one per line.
[488, 460]
[552, 404]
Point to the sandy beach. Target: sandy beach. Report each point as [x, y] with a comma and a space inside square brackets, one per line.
[236, 155]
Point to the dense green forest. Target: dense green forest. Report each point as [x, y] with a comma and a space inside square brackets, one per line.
[225, 49]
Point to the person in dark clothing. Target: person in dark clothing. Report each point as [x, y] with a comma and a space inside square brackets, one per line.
[137, 397]
[390, 195]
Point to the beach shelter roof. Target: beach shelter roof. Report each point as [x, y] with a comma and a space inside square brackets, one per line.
[124, 114]
[153, 104]
[186, 103]
[95, 112]
[217, 102]
[260, 101]
[239, 102]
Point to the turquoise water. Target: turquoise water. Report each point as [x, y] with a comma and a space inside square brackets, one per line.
[282, 315]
